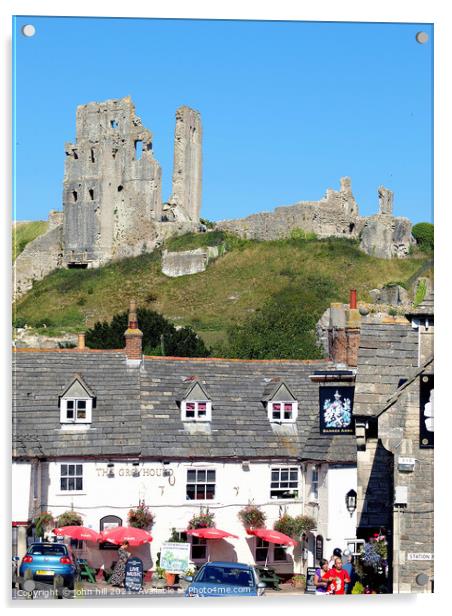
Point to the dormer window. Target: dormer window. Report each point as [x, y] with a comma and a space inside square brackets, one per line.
[196, 405]
[76, 404]
[282, 406]
[282, 411]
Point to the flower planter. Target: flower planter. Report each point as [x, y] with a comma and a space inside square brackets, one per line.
[170, 578]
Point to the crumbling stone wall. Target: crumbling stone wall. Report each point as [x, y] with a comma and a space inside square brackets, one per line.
[112, 185]
[188, 262]
[187, 169]
[336, 215]
[39, 257]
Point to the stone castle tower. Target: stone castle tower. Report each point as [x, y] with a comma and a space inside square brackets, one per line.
[187, 168]
[112, 185]
[112, 202]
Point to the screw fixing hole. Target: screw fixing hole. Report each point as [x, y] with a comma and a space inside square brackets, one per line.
[28, 30]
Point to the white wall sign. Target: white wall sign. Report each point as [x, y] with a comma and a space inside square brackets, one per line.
[175, 557]
[420, 556]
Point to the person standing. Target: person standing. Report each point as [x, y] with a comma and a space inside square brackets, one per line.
[339, 578]
[350, 570]
[321, 585]
[119, 572]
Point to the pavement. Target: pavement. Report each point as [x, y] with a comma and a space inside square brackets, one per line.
[39, 591]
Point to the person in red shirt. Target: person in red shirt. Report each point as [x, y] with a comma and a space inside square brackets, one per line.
[338, 578]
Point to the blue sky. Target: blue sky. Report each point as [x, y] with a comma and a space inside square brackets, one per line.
[287, 107]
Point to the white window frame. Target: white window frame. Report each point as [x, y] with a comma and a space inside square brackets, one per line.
[314, 494]
[271, 410]
[69, 476]
[196, 403]
[288, 489]
[75, 420]
[204, 483]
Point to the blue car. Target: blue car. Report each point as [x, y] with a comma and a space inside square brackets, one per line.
[45, 561]
[225, 579]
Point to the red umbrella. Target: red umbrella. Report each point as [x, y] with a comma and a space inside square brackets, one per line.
[77, 532]
[119, 534]
[272, 536]
[210, 533]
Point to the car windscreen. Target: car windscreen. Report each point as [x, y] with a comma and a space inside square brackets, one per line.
[225, 575]
[48, 550]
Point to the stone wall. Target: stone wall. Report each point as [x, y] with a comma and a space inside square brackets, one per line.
[413, 525]
[112, 185]
[39, 257]
[187, 169]
[336, 215]
[188, 262]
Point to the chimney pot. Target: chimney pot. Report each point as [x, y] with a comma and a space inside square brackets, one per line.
[81, 341]
[353, 303]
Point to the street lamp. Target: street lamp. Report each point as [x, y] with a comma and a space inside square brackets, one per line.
[350, 502]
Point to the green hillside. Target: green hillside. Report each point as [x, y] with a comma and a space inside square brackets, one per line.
[234, 287]
[25, 232]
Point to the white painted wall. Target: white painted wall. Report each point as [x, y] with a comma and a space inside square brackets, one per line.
[341, 525]
[166, 496]
[21, 487]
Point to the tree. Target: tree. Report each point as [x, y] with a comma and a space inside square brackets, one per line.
[160, 337]
[283, 329]
[423, 233]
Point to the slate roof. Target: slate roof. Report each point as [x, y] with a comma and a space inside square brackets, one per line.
[387, 355]
[138, 413]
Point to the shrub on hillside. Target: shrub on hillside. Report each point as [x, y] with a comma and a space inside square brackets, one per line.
[160, 337]
[423, 233]
[285, 327]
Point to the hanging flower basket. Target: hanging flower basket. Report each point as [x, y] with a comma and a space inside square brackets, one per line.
[69, 518]
[203, 519]
[252, 516]
[294, 527]
[141, 517]
[43, 522]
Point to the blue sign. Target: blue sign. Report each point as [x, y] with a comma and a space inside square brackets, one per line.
[133, 581]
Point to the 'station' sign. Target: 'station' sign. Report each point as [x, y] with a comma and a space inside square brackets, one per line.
[133, 581]
[419, 556]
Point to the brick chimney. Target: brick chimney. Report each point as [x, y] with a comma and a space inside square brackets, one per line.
[133, 336]
[344, 332]
[81, 341]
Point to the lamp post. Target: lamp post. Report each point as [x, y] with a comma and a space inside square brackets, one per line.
[350, 502]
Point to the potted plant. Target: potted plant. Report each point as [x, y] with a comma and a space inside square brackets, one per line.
[140, 517]
[252, 516]
[298, 581]
[159, 577]
[43, 522]
[203, 519]
[69, 518]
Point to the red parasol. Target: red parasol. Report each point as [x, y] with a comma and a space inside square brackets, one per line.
[272, 536]
[210, 533]
[119, 534]
[77, 532]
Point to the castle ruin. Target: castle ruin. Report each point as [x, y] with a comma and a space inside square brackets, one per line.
[112, 204]
[335, 215]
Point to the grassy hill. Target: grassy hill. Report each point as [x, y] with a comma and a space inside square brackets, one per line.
[233, 288]
[25, 232]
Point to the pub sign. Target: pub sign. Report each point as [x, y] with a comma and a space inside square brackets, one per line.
[426, 433]
[336, 410]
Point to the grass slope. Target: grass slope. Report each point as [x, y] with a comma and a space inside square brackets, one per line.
[233, 287]
[25, 232]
